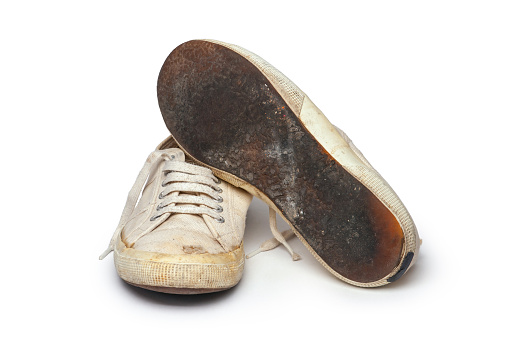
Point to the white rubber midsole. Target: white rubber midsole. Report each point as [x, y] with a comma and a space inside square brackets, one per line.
[186, 271]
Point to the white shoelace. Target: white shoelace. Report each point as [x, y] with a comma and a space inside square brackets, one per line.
[201, 194]
[278, 239]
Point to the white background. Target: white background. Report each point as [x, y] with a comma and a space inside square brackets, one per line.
[421, 87]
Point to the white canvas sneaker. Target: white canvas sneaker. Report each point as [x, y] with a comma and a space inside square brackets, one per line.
[233, 112]
[185, 234]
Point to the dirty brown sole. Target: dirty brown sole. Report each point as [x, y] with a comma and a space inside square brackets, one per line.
[226, 114]
[178, 291]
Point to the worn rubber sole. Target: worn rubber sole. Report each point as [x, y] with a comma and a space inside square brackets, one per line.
[179, 274]
[231, 111]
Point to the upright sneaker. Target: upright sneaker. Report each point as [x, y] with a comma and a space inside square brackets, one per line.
[185, 235]
[231, 111]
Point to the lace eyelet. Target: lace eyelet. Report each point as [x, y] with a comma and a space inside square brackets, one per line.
[219, 200]
[220, 219]
[161, 196]
[159, 207]
[153, 218]
[219, 209]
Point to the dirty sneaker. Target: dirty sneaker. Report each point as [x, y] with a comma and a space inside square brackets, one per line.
[185, 235]
[230, 110]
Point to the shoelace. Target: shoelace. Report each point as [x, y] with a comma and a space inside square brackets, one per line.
[278, 239]
[199, 185]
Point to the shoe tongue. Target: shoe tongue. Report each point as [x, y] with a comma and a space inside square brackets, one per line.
[175, 154]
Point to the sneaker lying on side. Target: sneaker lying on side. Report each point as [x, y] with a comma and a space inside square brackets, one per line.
[230, 110]
[185, 235]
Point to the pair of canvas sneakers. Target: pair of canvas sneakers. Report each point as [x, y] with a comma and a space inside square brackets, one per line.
[239, 129]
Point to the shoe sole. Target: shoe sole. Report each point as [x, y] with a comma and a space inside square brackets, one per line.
[179, 274]
[233, 112]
